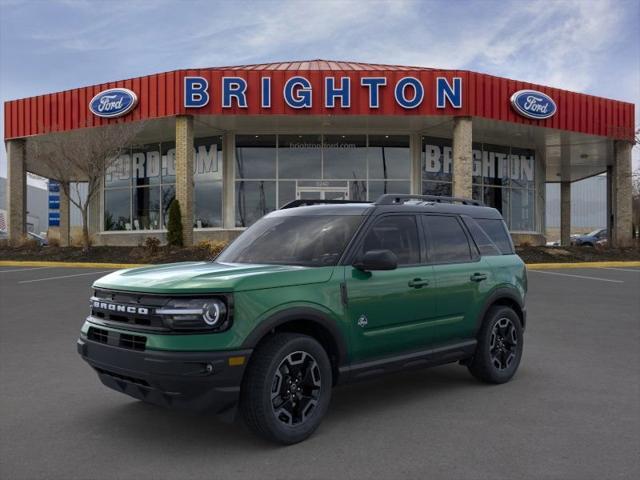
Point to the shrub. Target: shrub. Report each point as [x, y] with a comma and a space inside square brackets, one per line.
[211, 248]
[54, 242]
[152, 245]
[174, 226]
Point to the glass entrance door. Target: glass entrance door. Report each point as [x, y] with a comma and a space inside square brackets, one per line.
[322, 192]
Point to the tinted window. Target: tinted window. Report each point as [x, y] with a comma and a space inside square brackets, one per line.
[398, 234]
[497, 232]
[482, 240]
[313, 241]
[447, 240]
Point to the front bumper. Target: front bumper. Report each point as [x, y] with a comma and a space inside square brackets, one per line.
[191, 380]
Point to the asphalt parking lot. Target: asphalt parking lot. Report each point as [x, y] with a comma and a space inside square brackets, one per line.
[572, 411]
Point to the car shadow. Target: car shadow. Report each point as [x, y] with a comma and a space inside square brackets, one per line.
[202, 431]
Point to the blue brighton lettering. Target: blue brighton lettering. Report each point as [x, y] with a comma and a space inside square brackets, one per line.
[234, 87]
[196, 92]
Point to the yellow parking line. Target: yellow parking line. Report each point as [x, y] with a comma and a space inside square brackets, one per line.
[554, 266]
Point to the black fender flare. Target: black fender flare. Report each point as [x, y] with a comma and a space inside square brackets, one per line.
[307, 314]
[498, 294]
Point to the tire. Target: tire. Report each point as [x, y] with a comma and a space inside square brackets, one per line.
[297, 370]
[500, 344]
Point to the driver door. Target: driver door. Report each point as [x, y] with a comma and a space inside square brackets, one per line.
[389, 311]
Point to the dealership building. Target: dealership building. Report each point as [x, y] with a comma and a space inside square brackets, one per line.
[234, 143]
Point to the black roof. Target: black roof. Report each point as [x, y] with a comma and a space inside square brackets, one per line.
[390, 203]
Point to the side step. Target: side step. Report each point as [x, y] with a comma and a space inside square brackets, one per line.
[417, 359]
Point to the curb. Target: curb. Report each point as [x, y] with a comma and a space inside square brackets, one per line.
[530, 266]
[551, 266]
[18, 263]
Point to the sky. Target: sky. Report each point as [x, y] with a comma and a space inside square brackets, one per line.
[581, 45]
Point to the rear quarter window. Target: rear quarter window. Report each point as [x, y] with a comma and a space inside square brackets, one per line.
[497, 231]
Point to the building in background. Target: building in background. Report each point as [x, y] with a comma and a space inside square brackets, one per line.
[37, 207]
[234, 143]
[588, 206]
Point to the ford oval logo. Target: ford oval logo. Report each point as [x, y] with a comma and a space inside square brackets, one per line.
[533, 104]
[114, 102]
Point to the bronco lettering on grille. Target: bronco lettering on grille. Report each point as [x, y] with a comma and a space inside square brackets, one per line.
[113, 307]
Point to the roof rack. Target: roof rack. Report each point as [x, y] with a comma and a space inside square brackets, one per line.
[391, 199]
[317, 201]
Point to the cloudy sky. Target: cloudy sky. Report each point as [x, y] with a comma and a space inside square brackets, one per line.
[582, 45]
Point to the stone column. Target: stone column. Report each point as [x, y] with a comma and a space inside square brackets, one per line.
[415, 147]
[184, 174]
[565, 213]
[621, 183]
[228, 180]
[462, 157]
[65, 218]
[16, 191]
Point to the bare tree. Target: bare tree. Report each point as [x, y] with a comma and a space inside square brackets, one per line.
[82, 156]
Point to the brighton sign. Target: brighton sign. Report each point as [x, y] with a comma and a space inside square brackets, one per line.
[408, 92]
[113, 103]
[533, 104]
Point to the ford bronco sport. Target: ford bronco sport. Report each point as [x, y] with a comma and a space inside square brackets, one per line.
[312, 295]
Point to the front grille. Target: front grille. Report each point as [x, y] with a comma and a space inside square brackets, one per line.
[133, 342]
[122, 340]
[98, 335]
[136, 311]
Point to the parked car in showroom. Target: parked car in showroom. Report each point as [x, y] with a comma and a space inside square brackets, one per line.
[591, 239]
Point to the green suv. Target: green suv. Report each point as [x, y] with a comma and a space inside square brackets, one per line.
[313, 295]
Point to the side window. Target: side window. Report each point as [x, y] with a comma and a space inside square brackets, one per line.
[482, 240]
[497, 232]
[447, 240]
[398, 233]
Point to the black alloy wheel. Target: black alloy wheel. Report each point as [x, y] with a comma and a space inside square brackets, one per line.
[499, 347]
[295, 390]
[286, 389]
[504, 343]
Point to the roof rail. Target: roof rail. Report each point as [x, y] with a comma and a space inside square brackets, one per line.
[391, 199]
[317, 201]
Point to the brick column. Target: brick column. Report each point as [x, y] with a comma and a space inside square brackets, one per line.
[65, 219]
[462, 157]
[184, 174]
[228, 180]
[415, 147]
[16, 191]
[565, 213]
[621, 184]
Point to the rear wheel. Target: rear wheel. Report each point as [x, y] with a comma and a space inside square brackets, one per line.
[499, 349]
[287, 388]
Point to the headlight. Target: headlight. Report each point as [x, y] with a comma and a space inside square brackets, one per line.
[195, 314]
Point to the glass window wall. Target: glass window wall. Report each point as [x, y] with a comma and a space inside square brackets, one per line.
[272, 170]
[503, 178]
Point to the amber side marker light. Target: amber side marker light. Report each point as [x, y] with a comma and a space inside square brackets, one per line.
[236, 361]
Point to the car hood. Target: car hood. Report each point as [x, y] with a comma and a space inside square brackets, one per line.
[201, 277]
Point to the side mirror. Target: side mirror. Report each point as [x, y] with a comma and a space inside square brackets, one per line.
[377, 260]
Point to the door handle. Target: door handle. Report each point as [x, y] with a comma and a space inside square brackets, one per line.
[478, 277]
[418, 283]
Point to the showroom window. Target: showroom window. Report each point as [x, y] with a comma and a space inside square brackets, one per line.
[140, 186]
[272, 170]
[503, 178]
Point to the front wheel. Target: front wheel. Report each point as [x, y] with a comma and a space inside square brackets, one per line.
[499, 349]
[287, 388]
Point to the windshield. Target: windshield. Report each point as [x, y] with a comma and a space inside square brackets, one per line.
[594, 233]
[312, 241]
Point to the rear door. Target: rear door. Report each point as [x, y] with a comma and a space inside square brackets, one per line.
[462, 277]
[389, 311]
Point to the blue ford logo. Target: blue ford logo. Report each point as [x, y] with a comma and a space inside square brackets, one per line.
[114, 102]
[533, 104]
